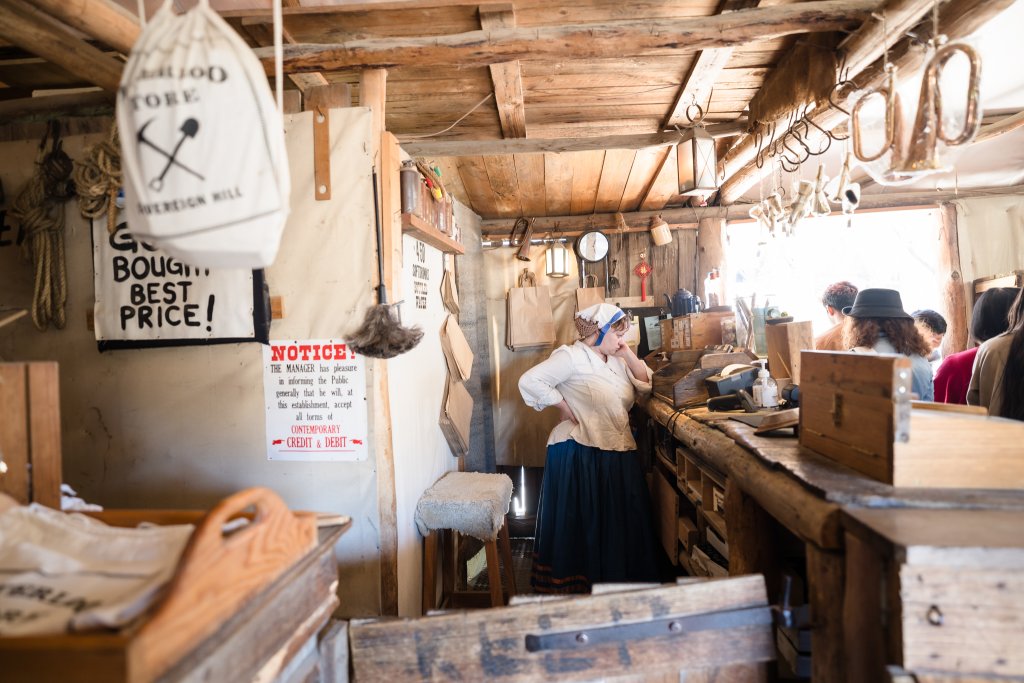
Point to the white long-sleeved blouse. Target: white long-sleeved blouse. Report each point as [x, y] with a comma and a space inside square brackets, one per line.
[599, 393]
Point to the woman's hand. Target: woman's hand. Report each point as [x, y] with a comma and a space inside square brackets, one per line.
[566, 412]
[623, 351]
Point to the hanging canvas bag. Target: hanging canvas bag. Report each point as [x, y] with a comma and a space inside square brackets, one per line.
[529, 322]
[589, 295]
[203, 154]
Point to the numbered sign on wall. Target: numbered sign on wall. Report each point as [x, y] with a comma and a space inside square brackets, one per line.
[144, 297]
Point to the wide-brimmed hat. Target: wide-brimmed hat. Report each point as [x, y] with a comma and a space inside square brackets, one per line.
[877, 303]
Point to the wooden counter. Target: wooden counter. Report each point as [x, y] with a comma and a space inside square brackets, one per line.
[773, 481]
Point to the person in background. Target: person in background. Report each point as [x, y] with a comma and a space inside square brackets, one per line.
[877, 323]
[987, 320]
[594, 520]
[837, 296]
[932, 327]
[997, 381]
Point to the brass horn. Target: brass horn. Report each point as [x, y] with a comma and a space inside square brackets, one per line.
[928, 126]
[893, 122]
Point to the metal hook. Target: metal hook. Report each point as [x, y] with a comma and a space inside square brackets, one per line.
[827, 133]
[759, 155]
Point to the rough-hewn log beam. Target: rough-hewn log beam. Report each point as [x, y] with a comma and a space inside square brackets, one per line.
[104, 20]
[507, 76]
[611, 39]
[33, 30]
[957, 19]
[262, 34]
[56, 105]
[687, 217]
[474, 148]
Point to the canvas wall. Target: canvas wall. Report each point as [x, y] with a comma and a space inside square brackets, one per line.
[182, 427]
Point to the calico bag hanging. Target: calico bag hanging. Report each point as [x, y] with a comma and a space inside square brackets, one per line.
[203, 154]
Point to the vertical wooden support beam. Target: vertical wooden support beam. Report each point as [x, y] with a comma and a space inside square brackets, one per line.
[372, 94]
[863, 621]
[710, 250]
[754, 543]
[954, 289]
[825, 584]
[30, 432]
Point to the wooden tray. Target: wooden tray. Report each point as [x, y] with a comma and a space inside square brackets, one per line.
[234, 602]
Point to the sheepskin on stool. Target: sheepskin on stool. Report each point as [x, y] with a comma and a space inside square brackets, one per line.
[472, 503]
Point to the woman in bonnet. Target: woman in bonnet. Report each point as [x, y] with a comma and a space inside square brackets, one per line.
[594, 517]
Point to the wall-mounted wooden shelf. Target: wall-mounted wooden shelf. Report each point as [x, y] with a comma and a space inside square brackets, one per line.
[421, 230]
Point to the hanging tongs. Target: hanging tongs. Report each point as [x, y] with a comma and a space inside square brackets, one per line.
[525, 227]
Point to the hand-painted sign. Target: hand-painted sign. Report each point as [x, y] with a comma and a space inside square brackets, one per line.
[147, 297]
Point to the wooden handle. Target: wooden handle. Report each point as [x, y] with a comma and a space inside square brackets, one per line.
[218, 572]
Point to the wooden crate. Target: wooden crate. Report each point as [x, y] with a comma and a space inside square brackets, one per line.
[238, 606]
[785, 342]
[30, 432]
[855, 409]
[938, 592]
[694, 331]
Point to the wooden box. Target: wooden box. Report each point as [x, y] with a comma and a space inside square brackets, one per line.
[693, 331]
[785, 342]
[30, 432]
[239, 607]
[855, 409]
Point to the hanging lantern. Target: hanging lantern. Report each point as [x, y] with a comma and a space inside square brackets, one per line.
[556, 260]
[697, 162]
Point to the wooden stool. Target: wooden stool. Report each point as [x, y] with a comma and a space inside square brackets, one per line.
[472, 503]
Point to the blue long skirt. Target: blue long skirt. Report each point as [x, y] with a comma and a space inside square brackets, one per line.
[594, 521]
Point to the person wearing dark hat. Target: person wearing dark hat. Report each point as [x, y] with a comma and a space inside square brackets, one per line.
[594, 521]
[837, 296]
[988, 319]
[877, 323]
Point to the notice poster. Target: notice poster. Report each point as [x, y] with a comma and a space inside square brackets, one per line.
[315, 394]
[144, 297]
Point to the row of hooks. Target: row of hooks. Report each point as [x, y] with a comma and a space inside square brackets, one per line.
[792, 148]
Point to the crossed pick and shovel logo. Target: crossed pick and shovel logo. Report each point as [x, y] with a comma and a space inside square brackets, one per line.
[188, 130]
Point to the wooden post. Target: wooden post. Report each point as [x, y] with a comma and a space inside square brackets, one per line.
[954, 289]
[864, 636]
[825, 573]
[372, 94]
[710, 251]
[754, 543]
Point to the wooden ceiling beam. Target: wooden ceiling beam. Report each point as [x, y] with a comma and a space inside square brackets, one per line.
[262, 34]
[97, 101]
[700, 80]
[473, 148]
[688, 217]
[583, 41]
[104, 20]
[957, 19]
[506, 76]
[31, 29]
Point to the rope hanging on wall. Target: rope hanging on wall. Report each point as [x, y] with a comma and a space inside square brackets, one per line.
[39, 211]
[98, 179]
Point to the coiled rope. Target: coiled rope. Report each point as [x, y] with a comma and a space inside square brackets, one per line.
[98, 179]
[39, 210]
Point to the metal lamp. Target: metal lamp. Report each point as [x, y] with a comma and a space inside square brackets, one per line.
[556, 260]
[697, 162]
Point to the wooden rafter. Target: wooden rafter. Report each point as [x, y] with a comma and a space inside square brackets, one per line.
[957, 19]
[610, 39]
[103, 20]
[31, 29]
[472, 148]
[262, 34]
[686, 217]
[506, 76]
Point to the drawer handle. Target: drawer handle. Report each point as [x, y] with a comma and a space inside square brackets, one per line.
[934, 616]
